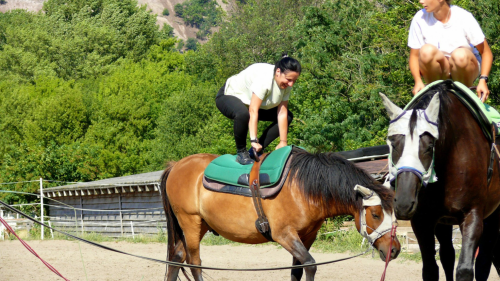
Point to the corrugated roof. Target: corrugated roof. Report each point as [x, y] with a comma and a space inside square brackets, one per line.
[132, 180]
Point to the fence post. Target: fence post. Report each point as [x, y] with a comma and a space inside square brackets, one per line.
[132, 228]
[1, 225]
[51, 232]
[41, 204]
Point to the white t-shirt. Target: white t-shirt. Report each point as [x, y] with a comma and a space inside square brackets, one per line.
[258, 79]
[462, 30]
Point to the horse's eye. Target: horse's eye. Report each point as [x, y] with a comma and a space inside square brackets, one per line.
[375, 216]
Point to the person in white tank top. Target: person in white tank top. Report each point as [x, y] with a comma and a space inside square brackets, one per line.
[447, 42]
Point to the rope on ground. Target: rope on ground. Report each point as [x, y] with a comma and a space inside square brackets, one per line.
[177, 263]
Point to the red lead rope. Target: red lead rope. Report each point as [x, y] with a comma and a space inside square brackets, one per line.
[388, 257]
[31, 250]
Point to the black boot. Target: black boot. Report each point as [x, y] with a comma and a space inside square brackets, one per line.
[243, 157]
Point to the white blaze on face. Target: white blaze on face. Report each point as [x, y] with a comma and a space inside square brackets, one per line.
[400, 125]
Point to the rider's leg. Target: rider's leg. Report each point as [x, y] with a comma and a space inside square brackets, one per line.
[272, 131]
[433, 64]
[233, 108]
[463, 66]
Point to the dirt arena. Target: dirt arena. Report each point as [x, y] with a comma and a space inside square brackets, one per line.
[16, 263]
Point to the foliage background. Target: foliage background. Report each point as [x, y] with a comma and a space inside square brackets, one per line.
[94, 89]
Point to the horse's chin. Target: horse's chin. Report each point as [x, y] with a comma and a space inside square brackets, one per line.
[405, 215]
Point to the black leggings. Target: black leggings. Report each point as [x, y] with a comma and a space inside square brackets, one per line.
[233, 108]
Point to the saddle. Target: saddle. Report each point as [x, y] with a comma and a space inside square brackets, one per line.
[224, 174]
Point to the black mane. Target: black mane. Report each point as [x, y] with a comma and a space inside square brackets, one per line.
[328, 178]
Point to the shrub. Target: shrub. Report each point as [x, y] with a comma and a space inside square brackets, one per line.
[166, 12]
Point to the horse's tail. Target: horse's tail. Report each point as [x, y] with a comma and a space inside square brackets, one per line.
[174, 230]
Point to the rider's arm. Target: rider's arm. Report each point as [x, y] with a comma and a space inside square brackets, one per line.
[486, 62]
[253, 109]
[415, 70]
[283, 124]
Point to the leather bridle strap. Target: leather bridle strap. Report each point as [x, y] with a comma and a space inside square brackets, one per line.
[388, 257]
[262, 224]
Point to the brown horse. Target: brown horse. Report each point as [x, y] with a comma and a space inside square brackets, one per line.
[318, 186]
[438, 132]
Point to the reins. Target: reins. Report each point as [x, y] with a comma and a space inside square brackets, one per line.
[176, 263]
[388, 257]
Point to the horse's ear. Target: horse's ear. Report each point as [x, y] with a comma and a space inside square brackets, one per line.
[363, 190]
[432, 110]
[392, 110]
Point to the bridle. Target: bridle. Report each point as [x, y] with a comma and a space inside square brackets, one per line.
[372, 199]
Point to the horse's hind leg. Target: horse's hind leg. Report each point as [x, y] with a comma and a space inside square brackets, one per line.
[446, 250]
[194, 229]
[179, 256]
[297, 272]
[486, 246]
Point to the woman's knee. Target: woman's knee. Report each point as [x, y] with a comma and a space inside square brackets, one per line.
[242, 115]
[428, 53]
[461, 58]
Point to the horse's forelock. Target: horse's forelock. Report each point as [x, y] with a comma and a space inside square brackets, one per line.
[442, 90]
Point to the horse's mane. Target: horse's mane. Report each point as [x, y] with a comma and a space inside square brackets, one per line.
[442, 90]
[328, 178]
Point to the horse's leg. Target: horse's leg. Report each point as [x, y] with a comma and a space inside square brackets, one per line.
[292, 243]
[297, 272]
[424, 231]
[472, 228]
[193, 233]
[179, 256]
[486, 246]
[446, 250]
[496, 255]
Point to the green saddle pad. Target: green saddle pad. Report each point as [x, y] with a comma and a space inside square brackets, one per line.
[484, 113]
[225, 169]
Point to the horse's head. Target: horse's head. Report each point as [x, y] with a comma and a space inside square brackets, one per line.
[411, 138]
[375, 224]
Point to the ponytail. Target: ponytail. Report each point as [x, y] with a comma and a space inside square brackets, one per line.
[287, 63]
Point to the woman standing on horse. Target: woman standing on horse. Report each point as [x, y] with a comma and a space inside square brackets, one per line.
[260, 92]
[447, 42]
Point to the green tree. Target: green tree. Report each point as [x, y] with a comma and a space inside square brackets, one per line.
[191, 44]
[74, 39]
[166, 12]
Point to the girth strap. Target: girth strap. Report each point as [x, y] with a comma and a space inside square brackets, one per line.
[262, 224]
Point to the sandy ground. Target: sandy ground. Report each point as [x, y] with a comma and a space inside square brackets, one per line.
[16, 263]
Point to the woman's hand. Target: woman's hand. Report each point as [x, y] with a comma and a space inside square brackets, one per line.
[256, 146]
[482, 90]
[282, 144]
[418, 86]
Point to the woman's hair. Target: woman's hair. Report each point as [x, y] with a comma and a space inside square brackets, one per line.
[287, 63]
[449, 2]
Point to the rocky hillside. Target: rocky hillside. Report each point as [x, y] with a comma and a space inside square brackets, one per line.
[181, 30]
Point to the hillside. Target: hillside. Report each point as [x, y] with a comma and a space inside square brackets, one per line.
[181, 30]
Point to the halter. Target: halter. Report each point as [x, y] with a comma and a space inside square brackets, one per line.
[372, 199]
[409, 161]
